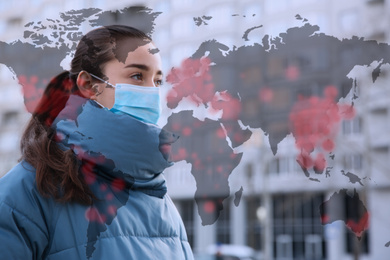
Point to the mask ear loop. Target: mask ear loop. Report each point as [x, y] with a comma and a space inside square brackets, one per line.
[108, 83]
[105, 81]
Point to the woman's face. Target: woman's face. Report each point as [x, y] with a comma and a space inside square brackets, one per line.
[141, 68]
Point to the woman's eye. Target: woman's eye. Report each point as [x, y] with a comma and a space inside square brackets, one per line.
[159, 82]
[137, 76]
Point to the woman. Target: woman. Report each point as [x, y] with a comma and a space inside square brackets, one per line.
[89, 185]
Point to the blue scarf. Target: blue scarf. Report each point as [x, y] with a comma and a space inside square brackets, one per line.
[119, 146]
[118, 153]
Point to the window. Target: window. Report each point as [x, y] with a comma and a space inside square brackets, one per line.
[298, 231]
[10, 118]
[353, 210]
[14, 22]
[347, 55]
[283, 165]
[251, 107]
[349, 21]
[375, 1]
[346, 87]
[353, 126]
[253, 227]
[353, 162]
[187, 214]
[223, 224]
[273, 166]
[284, 250]
[281, 99]
[355, 245]
[313, 247]
[275, 67]
[380, 111]
[249, 172]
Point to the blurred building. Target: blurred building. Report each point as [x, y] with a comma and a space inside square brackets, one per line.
[278, 213]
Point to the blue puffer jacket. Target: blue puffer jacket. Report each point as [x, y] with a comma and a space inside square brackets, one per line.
[133, 217]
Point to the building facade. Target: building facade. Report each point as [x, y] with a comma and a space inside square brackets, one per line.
[278, 214]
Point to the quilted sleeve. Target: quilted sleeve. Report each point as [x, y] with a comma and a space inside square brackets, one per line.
[20, 237]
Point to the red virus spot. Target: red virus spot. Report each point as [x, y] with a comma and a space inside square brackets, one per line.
[33, 80]
[165, 148]
[238, 138]
[331, 92]
[112, 210]
[231, 107]
[221, 133]
[209, 207]
[103, 187]
[192, 79]
[187, 131]
[304, 160]
[328, 145]
[197, 164]
[180, 155]
[59, 137]
[266, 94]
[319, 163]
[102, 218]
[292, 73]
[67, 85]
[31, 93]
[347, 112]
[118, 185]
[176, 127]
[315, 122]
[324, 219]
[109, 196]
[360, 226]
[89, 175]
[92, 214]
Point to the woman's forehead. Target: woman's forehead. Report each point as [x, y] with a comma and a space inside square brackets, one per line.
[144, 54]
[143, 58]
[123, 48]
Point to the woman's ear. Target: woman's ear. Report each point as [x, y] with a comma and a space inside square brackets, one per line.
[84, 83]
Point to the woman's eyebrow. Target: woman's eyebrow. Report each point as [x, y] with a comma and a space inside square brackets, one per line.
[142, 67]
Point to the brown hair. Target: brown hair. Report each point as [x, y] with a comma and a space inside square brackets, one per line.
[58, 172]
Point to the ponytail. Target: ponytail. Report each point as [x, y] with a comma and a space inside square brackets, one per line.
[57, 171]
[55, 97]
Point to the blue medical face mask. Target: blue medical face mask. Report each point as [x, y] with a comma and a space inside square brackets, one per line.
[143, 103]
